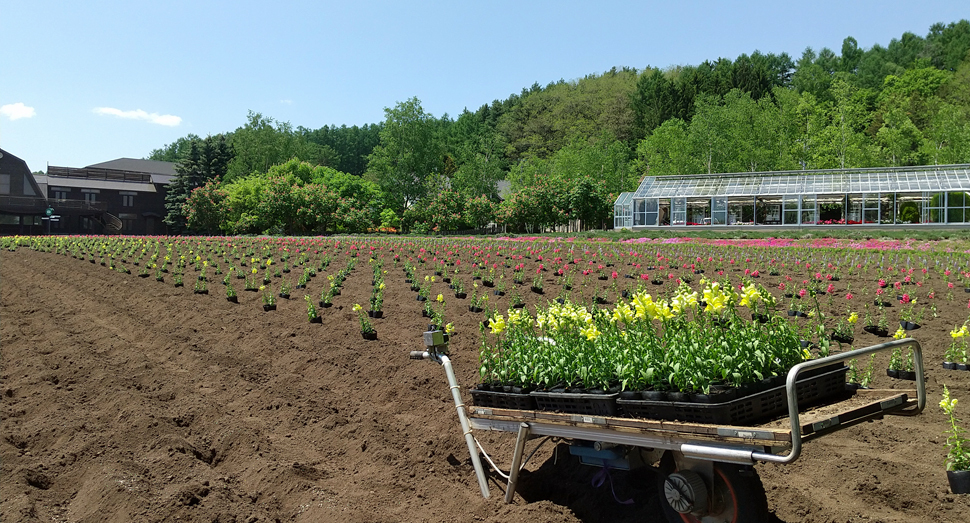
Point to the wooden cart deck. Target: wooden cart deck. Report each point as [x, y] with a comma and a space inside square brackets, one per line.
[775, 434]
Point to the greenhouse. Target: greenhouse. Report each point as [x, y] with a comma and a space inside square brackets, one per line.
[931, 195]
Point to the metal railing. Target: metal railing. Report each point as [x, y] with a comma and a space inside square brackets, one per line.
[796, 428]
[90, 173]
[23, 203]
[77, 205]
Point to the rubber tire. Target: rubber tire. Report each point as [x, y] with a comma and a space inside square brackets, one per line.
[742, 488]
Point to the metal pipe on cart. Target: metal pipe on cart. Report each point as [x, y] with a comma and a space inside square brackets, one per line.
[462, 418]
[792, 391]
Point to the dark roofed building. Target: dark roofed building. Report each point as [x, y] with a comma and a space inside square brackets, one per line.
[123, 196]
[161, 172]
[22, 200]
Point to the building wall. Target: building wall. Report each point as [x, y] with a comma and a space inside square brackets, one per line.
[21, 201]
[141, 213]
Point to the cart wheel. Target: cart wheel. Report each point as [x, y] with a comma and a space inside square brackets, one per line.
[736, 496]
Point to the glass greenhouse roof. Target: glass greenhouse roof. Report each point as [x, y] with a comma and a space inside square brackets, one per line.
[911, 179]
[625, 198]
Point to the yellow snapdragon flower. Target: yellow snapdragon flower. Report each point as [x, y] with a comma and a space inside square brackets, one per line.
[518, 317]
[644, 306]
[497, 324]
[591, 332]
[623, 313]
[749, 296]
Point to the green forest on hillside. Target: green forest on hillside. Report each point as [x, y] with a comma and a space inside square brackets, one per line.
[568, 148]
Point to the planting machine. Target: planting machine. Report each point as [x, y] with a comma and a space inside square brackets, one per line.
[705, 471]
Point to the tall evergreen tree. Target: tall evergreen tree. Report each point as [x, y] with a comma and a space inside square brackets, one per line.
[205, 160]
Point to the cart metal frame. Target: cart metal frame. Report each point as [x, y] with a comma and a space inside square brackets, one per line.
[699, 442]
[691, 446]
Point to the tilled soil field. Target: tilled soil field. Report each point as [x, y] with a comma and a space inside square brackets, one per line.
[126, 399]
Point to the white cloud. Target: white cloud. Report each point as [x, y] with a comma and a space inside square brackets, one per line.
[17, 111]
[286, 102]
[160, 119]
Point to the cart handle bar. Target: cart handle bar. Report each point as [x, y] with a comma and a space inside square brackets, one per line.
[796, 428]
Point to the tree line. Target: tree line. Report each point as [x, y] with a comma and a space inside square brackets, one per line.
[567, 149]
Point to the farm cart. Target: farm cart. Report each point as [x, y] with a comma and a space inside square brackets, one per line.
[705, 471]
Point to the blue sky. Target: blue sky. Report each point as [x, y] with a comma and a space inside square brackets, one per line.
[86, 82]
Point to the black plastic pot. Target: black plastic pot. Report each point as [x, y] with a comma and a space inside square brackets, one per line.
[375, 314]
[325, 305]
[316, 319]
[959, 481]
[949, 365]
[369, 335]
[267, 308]
[842, 338]
[232, 299]
[678, 396]
[892, 373]
[654, 395]
[907, 375]
[630, 395]
[715, 396]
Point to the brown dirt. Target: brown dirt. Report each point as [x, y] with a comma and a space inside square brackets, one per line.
[124, 399]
